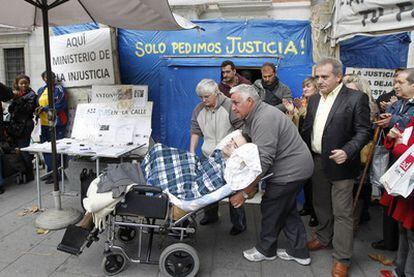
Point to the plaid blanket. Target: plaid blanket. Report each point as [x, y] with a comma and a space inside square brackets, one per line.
[182, 173]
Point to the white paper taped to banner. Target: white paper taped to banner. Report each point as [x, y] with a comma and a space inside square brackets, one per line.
[380, 80]
[373, 17]
[83, 59]
[120, 93]
[107, 124]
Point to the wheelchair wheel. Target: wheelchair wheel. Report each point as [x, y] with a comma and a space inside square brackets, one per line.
[126, 234]
[113, 263]
[179, 260]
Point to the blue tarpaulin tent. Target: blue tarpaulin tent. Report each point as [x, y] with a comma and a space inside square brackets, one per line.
[389, 51]
[172, 63]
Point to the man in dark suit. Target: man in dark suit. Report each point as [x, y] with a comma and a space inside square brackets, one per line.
[336, 128]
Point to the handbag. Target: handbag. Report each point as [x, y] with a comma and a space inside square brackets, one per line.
[399, 178]
[380, 161]
[86, 179]
[365, 152]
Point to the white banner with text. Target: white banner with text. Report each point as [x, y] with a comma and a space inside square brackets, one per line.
[380, 80]
[83, 58]
[373, 17]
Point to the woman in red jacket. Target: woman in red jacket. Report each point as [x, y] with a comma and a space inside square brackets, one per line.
[402, 209]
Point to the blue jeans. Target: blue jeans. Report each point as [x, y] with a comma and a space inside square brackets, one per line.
[45, 136]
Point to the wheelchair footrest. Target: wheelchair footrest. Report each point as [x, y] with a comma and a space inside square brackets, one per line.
[73, 240]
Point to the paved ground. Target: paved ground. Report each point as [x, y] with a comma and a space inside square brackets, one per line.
[25, 253]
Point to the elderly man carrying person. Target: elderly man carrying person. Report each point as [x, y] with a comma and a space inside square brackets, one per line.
[271, 90]
[213, 119]
[283, 153]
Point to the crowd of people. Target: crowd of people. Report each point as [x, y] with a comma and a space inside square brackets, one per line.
[25, 107]
[312, 143]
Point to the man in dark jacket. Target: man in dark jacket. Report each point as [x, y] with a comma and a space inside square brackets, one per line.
[230, 78]
[6, 94]
[384, 101]
[271, 90]
[336, 127]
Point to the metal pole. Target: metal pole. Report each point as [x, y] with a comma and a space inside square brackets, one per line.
[62, 172]
[39, 192]
[97, 166]
[50, 91]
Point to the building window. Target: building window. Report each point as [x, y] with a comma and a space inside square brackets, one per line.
[13, 64]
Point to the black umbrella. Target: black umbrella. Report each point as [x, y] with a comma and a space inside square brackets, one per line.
[129, 14]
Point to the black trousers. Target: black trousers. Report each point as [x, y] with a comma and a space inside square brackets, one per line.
[389, 224]
[308, 205]
[389, 230]
[279, 213]
[237, 216]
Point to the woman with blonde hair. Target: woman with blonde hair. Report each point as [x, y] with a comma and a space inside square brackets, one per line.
[357, 82]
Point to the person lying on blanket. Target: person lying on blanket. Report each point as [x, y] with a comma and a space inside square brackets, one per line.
[189, 181]
[187, 177]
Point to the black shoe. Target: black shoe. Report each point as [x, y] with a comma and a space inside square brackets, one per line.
[313, 222]
[304, 212]
[46, 177]
[380, 245]
[2, 190]
[50, 181]
[235, 231]
[207, 221]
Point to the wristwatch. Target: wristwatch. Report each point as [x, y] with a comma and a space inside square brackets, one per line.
[245, 195]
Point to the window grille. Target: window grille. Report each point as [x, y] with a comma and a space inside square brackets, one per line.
[13, 64]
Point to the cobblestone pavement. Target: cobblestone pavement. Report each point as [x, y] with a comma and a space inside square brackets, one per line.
[25, 253]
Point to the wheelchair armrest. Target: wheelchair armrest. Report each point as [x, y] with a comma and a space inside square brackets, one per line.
[145, 189]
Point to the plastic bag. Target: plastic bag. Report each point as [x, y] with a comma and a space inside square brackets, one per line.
[379, 165]
[399, 178]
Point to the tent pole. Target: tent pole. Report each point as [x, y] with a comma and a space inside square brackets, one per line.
[50, 91]
[57, 218]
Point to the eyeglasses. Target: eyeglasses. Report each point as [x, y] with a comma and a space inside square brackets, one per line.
[226, 71]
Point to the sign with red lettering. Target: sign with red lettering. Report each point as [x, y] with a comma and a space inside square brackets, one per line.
[407, 163]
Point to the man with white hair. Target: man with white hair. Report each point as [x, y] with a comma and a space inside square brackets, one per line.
[213, 119]
[284, 154]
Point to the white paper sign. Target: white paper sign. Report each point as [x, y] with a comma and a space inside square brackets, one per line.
[106, 123]
[373, 17]
[380, 80]
[83, 59]
[120, 93]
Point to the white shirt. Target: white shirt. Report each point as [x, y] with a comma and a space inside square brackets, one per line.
[325, 106]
